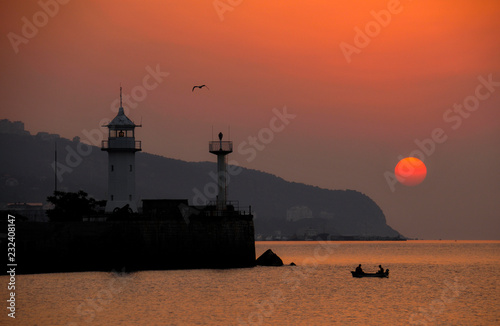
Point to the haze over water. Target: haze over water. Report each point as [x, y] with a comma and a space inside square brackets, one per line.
[430, 283]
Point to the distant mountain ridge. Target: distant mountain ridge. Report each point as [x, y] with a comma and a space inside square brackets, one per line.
[281, 209]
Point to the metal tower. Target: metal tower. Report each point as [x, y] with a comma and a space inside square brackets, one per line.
[221, 149]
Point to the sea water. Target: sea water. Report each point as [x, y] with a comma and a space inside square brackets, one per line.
[430, 283]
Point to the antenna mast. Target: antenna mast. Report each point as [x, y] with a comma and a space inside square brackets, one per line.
[55, 167]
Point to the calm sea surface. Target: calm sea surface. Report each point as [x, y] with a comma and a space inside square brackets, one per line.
[430, 283]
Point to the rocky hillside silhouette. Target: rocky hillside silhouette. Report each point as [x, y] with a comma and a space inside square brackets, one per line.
[281, 208]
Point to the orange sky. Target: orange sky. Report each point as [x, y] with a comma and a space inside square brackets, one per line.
[352, 121]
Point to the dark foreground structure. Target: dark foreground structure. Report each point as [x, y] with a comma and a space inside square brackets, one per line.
[167, 235]
[164, 234]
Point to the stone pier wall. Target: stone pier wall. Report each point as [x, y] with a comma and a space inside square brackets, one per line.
[198, 242]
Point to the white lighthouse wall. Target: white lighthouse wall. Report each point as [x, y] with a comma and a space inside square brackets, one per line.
[121, 180]
[221, 174]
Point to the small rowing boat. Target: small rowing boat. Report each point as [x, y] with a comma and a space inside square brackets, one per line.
[356, 274]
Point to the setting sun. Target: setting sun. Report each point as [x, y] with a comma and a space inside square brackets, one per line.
[410, 171]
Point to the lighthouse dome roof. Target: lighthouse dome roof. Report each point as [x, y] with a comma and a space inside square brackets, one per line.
[121, 120]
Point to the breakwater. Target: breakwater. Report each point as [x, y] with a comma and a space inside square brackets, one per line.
[199, 241]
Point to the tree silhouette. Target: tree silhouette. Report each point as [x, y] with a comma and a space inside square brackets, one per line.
[72, 206]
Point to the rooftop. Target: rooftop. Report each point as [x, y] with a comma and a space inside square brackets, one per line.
[121, 120]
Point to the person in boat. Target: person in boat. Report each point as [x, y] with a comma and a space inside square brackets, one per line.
[380, 270]
[359, 270]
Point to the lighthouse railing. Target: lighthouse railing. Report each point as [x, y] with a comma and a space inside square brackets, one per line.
[224, 146]
[121, 143]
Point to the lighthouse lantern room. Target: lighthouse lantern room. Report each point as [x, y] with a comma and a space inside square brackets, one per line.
[121, 147]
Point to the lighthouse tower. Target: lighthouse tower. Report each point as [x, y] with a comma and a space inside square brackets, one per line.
[221, 149]
[121, 147]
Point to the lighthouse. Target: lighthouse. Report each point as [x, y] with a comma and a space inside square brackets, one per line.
[221, 149]
[121, 147]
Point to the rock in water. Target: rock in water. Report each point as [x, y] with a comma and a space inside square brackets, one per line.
[269, 258]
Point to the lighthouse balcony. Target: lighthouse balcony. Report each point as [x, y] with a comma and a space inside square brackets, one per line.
[220, 146]
[121, 144]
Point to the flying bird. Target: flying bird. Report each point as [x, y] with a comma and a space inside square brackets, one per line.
[199, 87]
